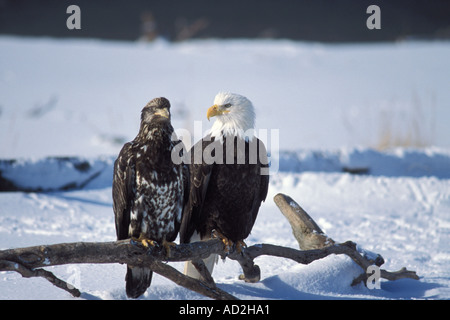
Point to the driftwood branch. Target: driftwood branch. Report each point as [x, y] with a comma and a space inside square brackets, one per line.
[305, 229]
[6, 265]
[310, 236]
[124, 251]
[315, 244]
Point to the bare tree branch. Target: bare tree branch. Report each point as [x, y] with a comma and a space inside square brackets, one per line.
[203, 271]
[28, 273]
[205, 288]
[26, 261]
[305, 229]
[310, 236]
[124, 251]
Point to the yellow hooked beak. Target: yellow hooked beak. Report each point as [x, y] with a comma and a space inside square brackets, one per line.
[215, 110]
[163, 113]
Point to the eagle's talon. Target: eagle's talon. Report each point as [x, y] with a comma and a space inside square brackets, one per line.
[227, 242]
[240, 245]
[147, 243]
[144, 241]
[167, 245]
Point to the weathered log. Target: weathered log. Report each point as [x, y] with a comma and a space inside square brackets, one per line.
[310, 236]
[28, 261]
[305, 229]
[6, 265]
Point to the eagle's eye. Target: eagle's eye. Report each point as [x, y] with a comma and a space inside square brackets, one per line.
[227, 105]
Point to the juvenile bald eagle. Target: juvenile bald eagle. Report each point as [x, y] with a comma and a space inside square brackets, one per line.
[148, 189]
[227, 177]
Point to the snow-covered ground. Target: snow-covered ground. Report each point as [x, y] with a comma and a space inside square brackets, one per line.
[67, 106]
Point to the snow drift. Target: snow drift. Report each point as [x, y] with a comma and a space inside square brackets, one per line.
[67, 107]
[72, 173]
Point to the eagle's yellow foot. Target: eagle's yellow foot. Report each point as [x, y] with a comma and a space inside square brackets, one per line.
[145, 241]
[167, 245]
[227, 242]
[148, 242]
[240, 245]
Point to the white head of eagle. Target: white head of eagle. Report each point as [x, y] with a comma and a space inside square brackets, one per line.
[235, 116]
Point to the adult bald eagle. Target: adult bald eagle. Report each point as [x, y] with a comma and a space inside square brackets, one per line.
[228, 177]
[148, 189]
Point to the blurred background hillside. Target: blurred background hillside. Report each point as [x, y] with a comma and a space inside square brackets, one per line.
[176, 20]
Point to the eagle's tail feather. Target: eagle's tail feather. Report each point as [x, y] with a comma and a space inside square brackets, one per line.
[192, 272]
[137, 281]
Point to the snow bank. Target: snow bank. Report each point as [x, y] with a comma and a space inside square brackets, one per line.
[70, 173]
[51, 174]
[402, 218]
[394, 163]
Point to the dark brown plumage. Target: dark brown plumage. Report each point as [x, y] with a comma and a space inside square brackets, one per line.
[224, 197]
[148, 188]
[228, 177]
